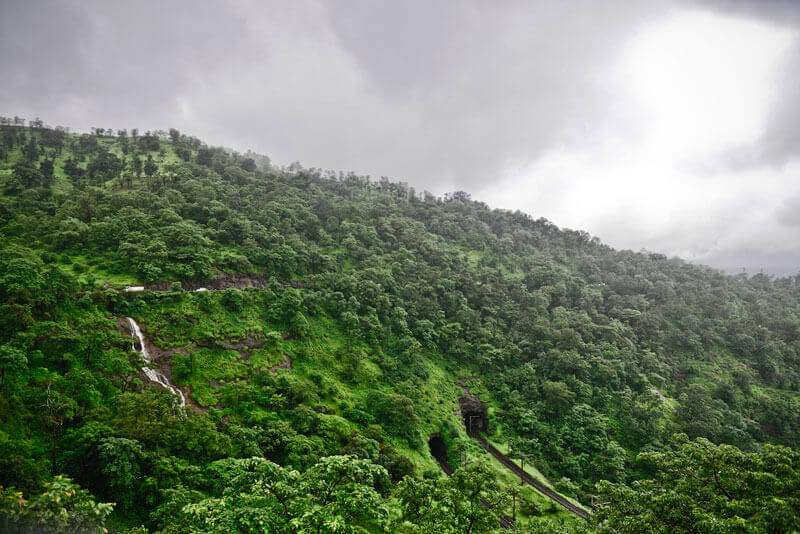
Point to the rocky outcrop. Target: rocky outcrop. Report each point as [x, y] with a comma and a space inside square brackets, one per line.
[155, 375]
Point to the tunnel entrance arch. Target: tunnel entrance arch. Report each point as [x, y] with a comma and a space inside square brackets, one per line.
[439, 451]
[474, 415]
[438, 447]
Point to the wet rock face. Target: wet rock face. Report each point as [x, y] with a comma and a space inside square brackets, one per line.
[153, 374]
[474, 413]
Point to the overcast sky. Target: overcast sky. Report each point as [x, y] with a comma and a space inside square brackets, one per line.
[667, 125]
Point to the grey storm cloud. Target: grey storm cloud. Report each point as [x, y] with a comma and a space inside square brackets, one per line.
[781, 140]
[429, 92]
[443, 95]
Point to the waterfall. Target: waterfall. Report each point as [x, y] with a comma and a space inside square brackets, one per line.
[152, 374]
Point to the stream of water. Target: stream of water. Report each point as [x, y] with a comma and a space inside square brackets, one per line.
[152, 374]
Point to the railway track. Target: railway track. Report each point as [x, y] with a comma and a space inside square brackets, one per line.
[506, 461]
[528, 479]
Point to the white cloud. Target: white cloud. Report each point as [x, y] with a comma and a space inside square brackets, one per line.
[703, 81]
[693, 87]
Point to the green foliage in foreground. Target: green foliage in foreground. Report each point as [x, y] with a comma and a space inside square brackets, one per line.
[470, 501]
[63, 506]
[339, 494]
[697, 486]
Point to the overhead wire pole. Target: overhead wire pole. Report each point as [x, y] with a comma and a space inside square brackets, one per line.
[522, 459]
[471, 418]
[513, 491]
[531, 481]
[514, 507]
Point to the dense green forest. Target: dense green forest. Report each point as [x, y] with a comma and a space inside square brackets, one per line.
[341, 316]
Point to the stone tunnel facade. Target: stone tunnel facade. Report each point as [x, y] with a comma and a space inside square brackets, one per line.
[474, 414]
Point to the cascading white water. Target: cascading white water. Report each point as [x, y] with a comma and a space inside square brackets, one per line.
[153, 375]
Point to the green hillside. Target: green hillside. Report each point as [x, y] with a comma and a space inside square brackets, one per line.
[338, 317]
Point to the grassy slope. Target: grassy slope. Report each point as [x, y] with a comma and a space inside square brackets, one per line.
[183, 321]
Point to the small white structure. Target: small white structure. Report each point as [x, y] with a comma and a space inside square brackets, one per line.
[134, 289]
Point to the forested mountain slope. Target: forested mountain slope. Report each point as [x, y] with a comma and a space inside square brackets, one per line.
[370, 300]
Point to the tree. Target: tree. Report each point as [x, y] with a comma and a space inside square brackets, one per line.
[339, 494]
[557, 397]
[73, 170]
[702, 487]
[28, 176]
[58, 409]
[235, 175]
[169, 516]
[12, 362]
[31, 151]
[121, 460]
[697, 414]
[21, 465]
[145, 416]
[106, 166]
[197, 437]
[248, 165]
[639, 418]
[63, 505]
[47, 168]
[136, 166]
[150, 167]
[204, 156]
[469, 501]
[396, 412]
